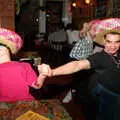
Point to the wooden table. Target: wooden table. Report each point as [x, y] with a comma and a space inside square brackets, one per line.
[51, 109]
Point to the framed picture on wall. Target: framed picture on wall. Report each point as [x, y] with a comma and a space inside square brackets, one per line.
[101, 9]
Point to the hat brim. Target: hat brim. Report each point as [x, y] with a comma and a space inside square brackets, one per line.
[100, 36]
[10, 44]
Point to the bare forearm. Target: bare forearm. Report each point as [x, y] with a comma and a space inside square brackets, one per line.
[43, 73]
[71, 67]
[39, 82]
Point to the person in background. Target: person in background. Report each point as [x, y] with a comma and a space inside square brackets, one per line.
[83, 46]
[58, 38]
[16, 77]
[81, 50]
[72, 34]
[106, 65]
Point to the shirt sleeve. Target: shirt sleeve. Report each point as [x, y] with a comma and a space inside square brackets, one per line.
[95, 60]
[31, 76]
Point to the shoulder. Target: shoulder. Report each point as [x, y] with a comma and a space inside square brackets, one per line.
[20, 64]
[98, 59]
[15, 66]
[98, 55]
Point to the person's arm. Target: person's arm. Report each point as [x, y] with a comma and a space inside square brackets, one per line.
[71, 67]
[43, 73]
[39, 82]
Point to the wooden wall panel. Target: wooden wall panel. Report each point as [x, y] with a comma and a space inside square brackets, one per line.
[7, 14]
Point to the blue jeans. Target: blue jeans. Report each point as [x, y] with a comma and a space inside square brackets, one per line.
[109, 103]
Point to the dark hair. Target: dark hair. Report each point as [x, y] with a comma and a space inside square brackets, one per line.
[7, 48]
[111, 32]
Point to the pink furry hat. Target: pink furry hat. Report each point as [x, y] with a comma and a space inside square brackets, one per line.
[10, 39]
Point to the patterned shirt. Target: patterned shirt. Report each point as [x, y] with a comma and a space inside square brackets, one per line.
[82, 49]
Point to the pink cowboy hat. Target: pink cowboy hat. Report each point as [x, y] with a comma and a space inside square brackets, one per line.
[100, 28]
[11, 39]
[87, 26]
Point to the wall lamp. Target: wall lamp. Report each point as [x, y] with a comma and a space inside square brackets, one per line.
[87, 1]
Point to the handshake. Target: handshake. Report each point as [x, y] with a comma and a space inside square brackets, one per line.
[45, 70]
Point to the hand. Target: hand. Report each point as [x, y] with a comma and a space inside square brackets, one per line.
[90, 36]
[82, 34]
[45, 70]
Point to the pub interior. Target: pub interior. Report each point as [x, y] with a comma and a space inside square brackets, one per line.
[35, 21]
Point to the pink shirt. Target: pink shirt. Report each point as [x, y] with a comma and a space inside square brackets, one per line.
[15, 79]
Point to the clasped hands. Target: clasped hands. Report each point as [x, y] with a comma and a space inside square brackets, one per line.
[45, 70]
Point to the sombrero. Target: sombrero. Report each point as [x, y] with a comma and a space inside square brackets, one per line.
[88, 25]
[100, 28]
[11, 39]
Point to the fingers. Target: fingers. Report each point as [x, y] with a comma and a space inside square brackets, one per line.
[45, 69]
[89, 36]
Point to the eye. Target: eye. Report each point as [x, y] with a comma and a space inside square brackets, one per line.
[108, 41]
[118, 41]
